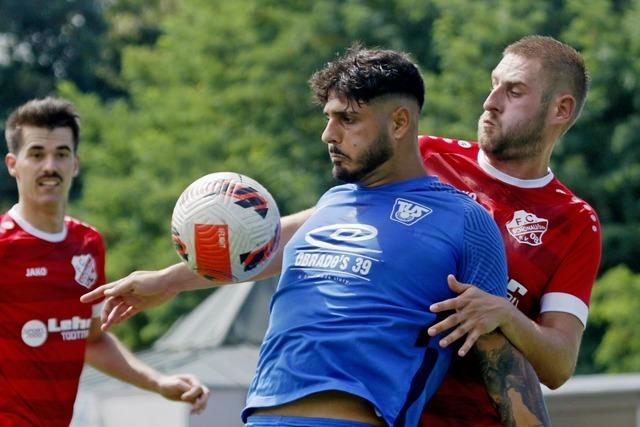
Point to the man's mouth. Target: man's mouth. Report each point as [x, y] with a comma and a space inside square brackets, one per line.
[49, 182]
[335, 154]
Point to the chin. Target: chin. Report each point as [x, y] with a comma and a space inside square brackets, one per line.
[484, 143]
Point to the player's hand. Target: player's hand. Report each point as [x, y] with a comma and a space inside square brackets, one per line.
[128, 296]
[476, 313]
[184, 388]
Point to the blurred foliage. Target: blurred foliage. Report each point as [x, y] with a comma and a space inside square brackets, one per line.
[172, 90]
[43, 42]
[616, 311]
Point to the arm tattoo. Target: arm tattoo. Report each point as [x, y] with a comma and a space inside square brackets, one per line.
[512, 383]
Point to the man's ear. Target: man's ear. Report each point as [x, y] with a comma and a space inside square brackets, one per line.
[400, 122]
[10, 161]
[563, 109]
[76, 165]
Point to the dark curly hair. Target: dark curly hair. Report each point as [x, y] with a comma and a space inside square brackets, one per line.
[364, 74]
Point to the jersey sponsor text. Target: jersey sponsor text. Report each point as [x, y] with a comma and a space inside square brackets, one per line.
[36, 272]
[35, 332]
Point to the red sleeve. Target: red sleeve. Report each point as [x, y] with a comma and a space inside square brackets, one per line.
[579, 268]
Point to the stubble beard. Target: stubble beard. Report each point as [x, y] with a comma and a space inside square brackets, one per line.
[523, 141]
[378, 153]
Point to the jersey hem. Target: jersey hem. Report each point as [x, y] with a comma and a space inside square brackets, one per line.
[255, 402]
[565, 303]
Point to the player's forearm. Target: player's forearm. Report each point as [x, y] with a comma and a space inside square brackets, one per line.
[551, 351]
[179, 277]
[511, 382]
[108, 355]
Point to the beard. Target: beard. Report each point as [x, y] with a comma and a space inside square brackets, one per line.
[378, 153]
[522, 141]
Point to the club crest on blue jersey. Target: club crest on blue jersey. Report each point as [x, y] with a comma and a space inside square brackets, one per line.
[407, 212]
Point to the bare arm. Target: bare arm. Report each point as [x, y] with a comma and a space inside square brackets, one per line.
[477, 313]
[551, 346]
[511, 382]
[105, 353]
[143, 289]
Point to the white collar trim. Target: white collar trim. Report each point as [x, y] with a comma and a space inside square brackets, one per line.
[49, 237]
[517, 182]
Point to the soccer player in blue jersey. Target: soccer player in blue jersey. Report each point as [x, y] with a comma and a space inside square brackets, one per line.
[347, 343]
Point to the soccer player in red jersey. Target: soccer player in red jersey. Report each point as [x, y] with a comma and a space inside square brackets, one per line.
[47, 261]
[552, 237]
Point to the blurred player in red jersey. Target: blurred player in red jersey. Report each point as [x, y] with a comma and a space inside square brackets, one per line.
[552, 238]
[47, 260]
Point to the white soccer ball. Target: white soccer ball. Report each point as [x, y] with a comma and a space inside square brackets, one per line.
[226, 227]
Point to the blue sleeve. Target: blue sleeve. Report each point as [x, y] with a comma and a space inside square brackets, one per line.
[483, 262]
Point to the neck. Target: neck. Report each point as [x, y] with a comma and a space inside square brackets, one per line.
[47, 218]
[533, 167]
[398, 168]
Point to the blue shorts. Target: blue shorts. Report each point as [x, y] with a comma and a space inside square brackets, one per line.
[280, 421]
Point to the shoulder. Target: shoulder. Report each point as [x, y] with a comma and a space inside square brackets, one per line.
[454, 195]
[430, 145]
[80, 228]
[575, 208]
[473, 211]
[8, 227]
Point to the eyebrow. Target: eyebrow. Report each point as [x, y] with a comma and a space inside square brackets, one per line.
[342, 113]
[41, 147]
[509, 82]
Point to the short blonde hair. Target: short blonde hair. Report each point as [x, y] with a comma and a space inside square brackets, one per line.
[562, 65]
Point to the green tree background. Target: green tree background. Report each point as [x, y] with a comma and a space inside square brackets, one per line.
[171, 90]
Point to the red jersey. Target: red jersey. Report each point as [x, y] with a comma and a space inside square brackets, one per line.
[553, 246]
[44, 326]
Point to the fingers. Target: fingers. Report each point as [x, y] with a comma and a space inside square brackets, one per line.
[448, 304]
[197, 394]
[113, 289]
[95, 294]
[200, 403]
[109, 305]
[117, 313]
[456, 286]
[472, 337]
[453, 303]
[460, 331]
[448, 323]
[455, 335]
[119, 288]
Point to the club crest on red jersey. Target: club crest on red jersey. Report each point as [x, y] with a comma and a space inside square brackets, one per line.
[85, 267]
[527, 228]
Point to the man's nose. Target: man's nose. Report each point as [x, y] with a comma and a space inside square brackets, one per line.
[50, 163]
[494, 100]
[330, 135]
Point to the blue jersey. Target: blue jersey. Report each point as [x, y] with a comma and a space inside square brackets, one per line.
[352, 307]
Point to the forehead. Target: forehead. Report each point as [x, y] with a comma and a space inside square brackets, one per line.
[340, 104]
[37, 137]
[518, 69]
